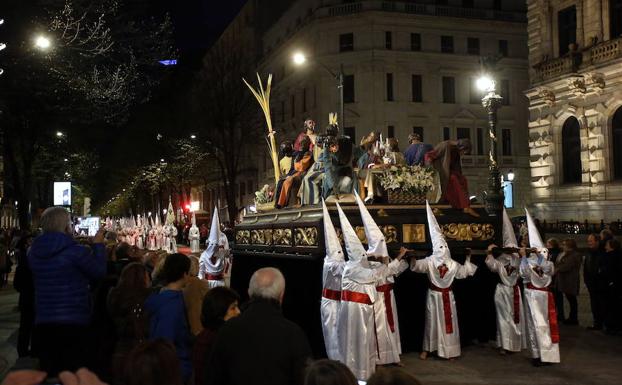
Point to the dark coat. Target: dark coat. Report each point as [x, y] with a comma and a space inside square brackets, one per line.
[591, 266]
[62, 270]
[260, 347]
[567, 267]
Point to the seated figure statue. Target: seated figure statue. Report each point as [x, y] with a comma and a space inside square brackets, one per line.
[302, 162]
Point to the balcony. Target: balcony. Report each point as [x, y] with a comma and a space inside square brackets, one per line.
[605, 51]
[421, 9]
[553, 68]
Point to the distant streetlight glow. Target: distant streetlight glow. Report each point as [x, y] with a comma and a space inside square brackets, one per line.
[42, 42]
[193, 136]
[299, 58]
[65, 160]
[485, 83]
[162, 160]
[59, 134]
[511, 176]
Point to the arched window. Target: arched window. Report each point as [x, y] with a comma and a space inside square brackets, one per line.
[571, 151]
[616, 143]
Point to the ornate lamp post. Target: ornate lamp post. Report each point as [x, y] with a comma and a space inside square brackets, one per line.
[300, 59]
[491, 102]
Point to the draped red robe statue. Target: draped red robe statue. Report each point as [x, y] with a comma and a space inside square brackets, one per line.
[445, 158]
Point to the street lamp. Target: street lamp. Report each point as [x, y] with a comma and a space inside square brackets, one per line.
[491, 102]
[42, 42]
[193, 136]
[59, 134]
[300, 58]
[511, 176]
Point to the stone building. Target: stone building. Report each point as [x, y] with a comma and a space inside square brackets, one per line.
[575, 119]
[409, 66]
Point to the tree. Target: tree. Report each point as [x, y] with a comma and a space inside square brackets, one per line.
[102, 62]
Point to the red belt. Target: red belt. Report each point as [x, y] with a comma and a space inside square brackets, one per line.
[551, 310]
[215, 277]
[331, 294]
[449, 327]
[352, 296]
[388, 306]
[516, 304]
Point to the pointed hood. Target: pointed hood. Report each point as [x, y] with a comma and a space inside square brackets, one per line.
[157, 219]
[170, 213]
[151, 222]
[376, 243]
[194, 219]
[214, 233]
[535, 240]
[509, 238]
[333, 247]
[440, 249]
[354, 247]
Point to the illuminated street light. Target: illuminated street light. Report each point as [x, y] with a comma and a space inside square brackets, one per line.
[193, 136]
[511, 176]
[59, 134]
[65, 160]
[42, 42]
[299, 58]
[485, 83]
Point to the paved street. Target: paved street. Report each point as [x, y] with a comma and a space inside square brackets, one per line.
[587, 358]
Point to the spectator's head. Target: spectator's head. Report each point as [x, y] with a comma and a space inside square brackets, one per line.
[267, 283]
[194, 265]
[328, 372]
[552, 243]
[220, 304]
[570, 244]
[56, 220]
[612, 245]
[111, 236]
[123, 251]
[134, 276]
[592, 241]
[414, 138]
[154, 363]
[176, 268]
[393, 145]
[605, 235]
[392, 376]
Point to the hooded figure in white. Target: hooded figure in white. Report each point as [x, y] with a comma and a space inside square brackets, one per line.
[194, 236]
[170, 231]
[508, 299]
[213, 261]
[159, 233]
[357, 334]
[537, 272]
[140, 240]
[385, 307]
[441, 319]
[151, 238]
[332, 271]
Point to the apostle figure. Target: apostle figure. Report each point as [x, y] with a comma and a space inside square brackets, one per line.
[194, 235]
[357, 333]
[441, 319]
[415, 152]
[310, 191]
[385, 308]
[302, 162]
[213, 261]
[285, 152]
[537, 272]
[446, 160]
[508, 299]
[331, 283]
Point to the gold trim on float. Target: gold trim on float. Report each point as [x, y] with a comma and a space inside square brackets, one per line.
[468, 231]
[414, 233]
[306, 236]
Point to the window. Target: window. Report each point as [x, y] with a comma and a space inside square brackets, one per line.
[304, 100]
[447, 44]
[463, 133]
[615, 18]
[348, 88]
[390, 87]
[467, 3]
[415, 42]
[391, 132]
[346, 42]
[475, 94]
[616, 131]
[473, 46]
[388, 40]
[503, 48]
[293, 104]
[567, 28]
[571, 151]
[417, 94]
[480, 141]
[506, 142]
[496, 4]
[418, 130]
[350, 132]
[446, 133]
[449, 91]
[504, 91]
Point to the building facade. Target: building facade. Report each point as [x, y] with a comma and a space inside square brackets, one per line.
[575, 114]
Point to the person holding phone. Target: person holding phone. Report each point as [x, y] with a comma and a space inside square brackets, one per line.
[63, 270]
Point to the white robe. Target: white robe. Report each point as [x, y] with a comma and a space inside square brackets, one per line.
[357, 334]
[207, 267]
[447, 345]
[537, 304]
[172, 233]
[151, 240]
[329, 307]
[194, 236]
[389, 345]
[510, 334]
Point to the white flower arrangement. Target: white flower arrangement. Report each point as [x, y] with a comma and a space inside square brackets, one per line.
[265, 195]
[414, 179]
